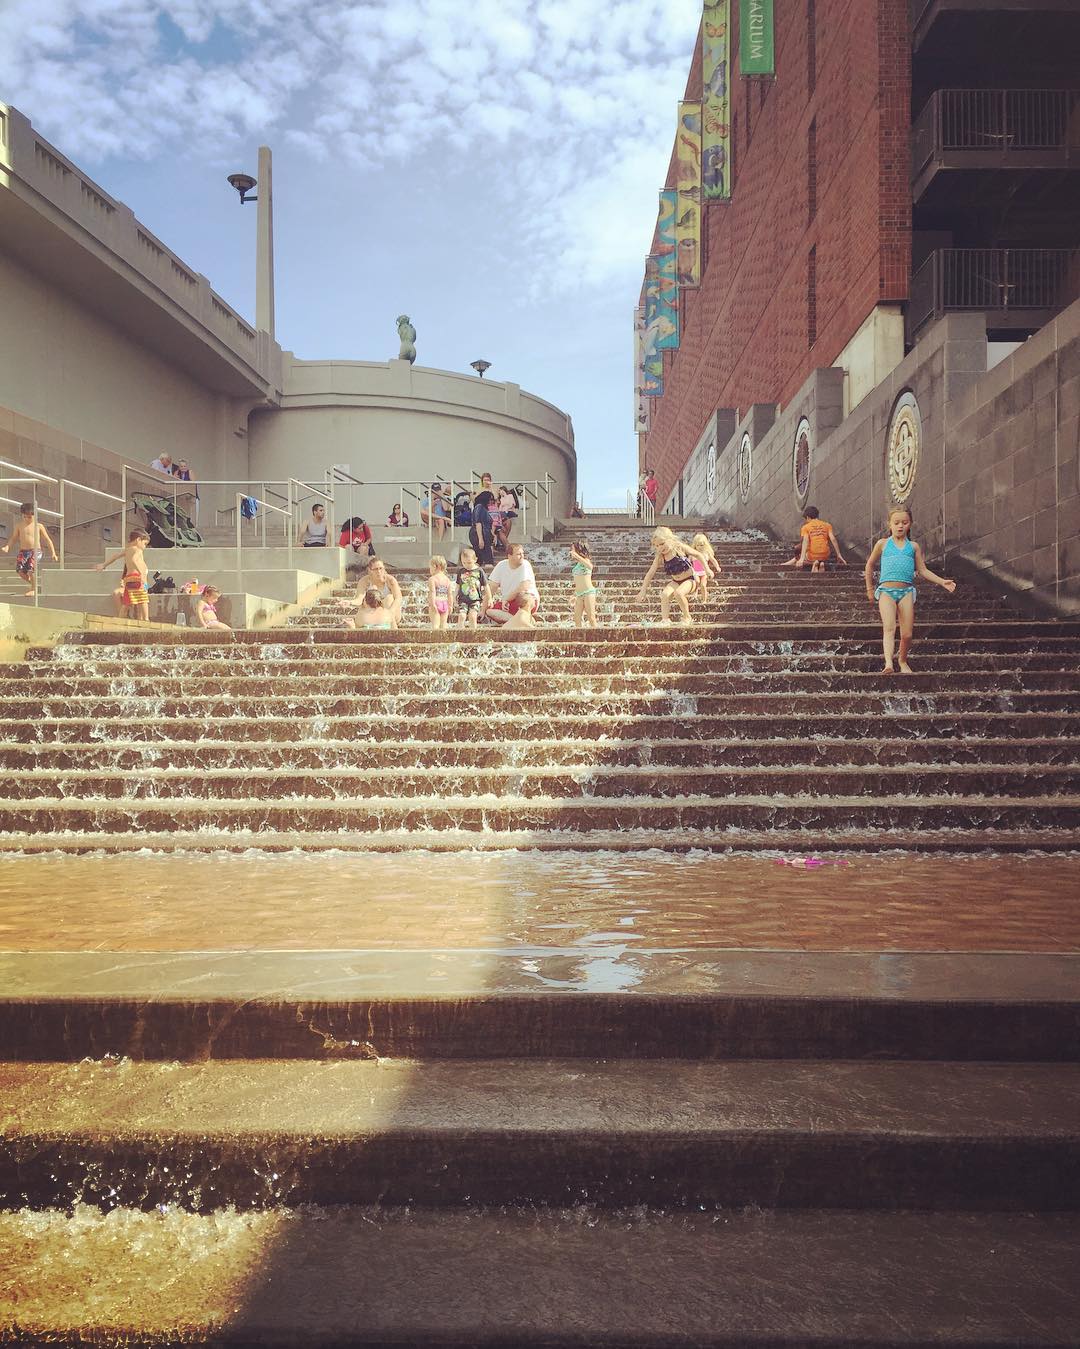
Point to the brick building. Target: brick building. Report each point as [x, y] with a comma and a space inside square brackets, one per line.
[810, 263]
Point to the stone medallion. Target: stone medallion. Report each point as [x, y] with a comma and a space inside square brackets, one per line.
[905, 441]
[801, 455]
[710, 474]
[746, 466]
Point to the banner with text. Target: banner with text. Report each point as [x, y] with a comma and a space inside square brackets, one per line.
[688, 196]
[667, 309]
[716, 107]
[756, 37]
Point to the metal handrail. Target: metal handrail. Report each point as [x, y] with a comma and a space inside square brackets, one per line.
[266, 505]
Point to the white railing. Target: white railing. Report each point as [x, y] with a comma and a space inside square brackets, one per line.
[640, 508]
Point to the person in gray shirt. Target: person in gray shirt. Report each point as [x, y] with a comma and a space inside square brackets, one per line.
[316, 533]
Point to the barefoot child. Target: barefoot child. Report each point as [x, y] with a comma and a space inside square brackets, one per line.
[206, 609]
[901, 562]
[29, 534]
[817, 536]
[584, 589]
[704, 566]
[474, 593]
[135, 599]
[676, 558]
[440, 594]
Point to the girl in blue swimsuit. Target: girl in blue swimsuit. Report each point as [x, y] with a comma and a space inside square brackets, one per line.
[901, 561]
[584, 589]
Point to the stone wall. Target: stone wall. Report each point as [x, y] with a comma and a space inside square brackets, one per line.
[996, 484]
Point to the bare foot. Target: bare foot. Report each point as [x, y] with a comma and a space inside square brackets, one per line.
[28, 592]
[905, 668]
[888, 669]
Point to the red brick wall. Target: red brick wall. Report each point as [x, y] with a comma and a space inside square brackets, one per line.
[744, 334]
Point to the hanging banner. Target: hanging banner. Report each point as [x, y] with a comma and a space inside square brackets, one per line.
[756, 43]
[716, 108]
[652, 359]
[666, 320]
[688, 196]
[642, 406]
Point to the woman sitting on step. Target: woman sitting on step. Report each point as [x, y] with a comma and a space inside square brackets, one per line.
[677, 560]
[376, 577]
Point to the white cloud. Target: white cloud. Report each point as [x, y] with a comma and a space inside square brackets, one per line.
[572, 105]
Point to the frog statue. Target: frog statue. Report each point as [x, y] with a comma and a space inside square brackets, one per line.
[407, 333]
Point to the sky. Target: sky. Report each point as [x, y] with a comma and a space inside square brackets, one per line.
[489, 167]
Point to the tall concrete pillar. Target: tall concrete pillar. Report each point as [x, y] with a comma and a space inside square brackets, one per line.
[264, 256]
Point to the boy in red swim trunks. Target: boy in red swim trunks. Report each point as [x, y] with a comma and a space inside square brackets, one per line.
[29, 534]
[134, 596]
[817, 535]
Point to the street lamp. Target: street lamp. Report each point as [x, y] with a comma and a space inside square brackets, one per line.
[243, 182]
[480, 367]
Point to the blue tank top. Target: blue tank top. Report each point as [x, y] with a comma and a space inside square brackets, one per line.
[897, 564]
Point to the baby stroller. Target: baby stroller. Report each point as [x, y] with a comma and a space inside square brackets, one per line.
[167, 526]
[462, 509]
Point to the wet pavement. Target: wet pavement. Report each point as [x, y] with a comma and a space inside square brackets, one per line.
[477, 901]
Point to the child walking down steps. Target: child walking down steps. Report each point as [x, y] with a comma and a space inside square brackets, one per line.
[901, 561]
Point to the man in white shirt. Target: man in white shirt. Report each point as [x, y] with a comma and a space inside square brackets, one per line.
[513, 583]
[163, 463]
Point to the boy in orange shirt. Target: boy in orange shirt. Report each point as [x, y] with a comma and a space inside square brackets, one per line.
[817, 535]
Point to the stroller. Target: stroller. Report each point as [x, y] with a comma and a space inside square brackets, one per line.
[167, 527]
[463, 509]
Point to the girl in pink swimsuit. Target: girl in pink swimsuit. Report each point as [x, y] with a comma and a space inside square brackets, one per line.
[440, 593]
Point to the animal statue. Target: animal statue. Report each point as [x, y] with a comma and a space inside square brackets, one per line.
[407, 333]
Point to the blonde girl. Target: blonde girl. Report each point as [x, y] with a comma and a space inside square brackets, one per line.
[677, 560]
[584, 588]
[440, 594]
[705, 566]
[206, 609]
[901, 561]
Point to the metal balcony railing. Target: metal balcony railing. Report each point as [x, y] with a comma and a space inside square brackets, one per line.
[995, 122]
[1025, 283]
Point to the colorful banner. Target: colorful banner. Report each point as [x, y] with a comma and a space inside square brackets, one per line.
[652, 359]
[688, 196]
[666, 320]
[756, 42]
[642, 406]
[716, 110]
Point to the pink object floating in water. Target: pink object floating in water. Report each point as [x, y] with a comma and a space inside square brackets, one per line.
[808, 863]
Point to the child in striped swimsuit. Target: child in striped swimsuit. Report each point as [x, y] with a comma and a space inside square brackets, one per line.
[901, 561]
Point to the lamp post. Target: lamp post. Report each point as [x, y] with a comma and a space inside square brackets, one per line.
[264, 254]
[480, 367]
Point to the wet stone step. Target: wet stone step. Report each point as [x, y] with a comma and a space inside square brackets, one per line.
[89, 674]
[578, 1278]
[981, 839]
[776, 1134]
[436, 683]
[559, 781]
[305, 727]
[895, 697]
[121, 754]
[829, 818]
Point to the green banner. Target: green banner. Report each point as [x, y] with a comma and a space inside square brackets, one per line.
[756, 43]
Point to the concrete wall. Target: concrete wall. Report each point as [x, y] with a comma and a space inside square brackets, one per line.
[71, 371]
[997, 484]
[388, 420]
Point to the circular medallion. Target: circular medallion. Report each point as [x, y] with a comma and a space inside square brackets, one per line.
[905, 440]
[800, 461]
[710, 474]
[746, 465]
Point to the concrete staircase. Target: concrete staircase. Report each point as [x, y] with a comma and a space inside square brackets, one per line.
[458, 1148]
